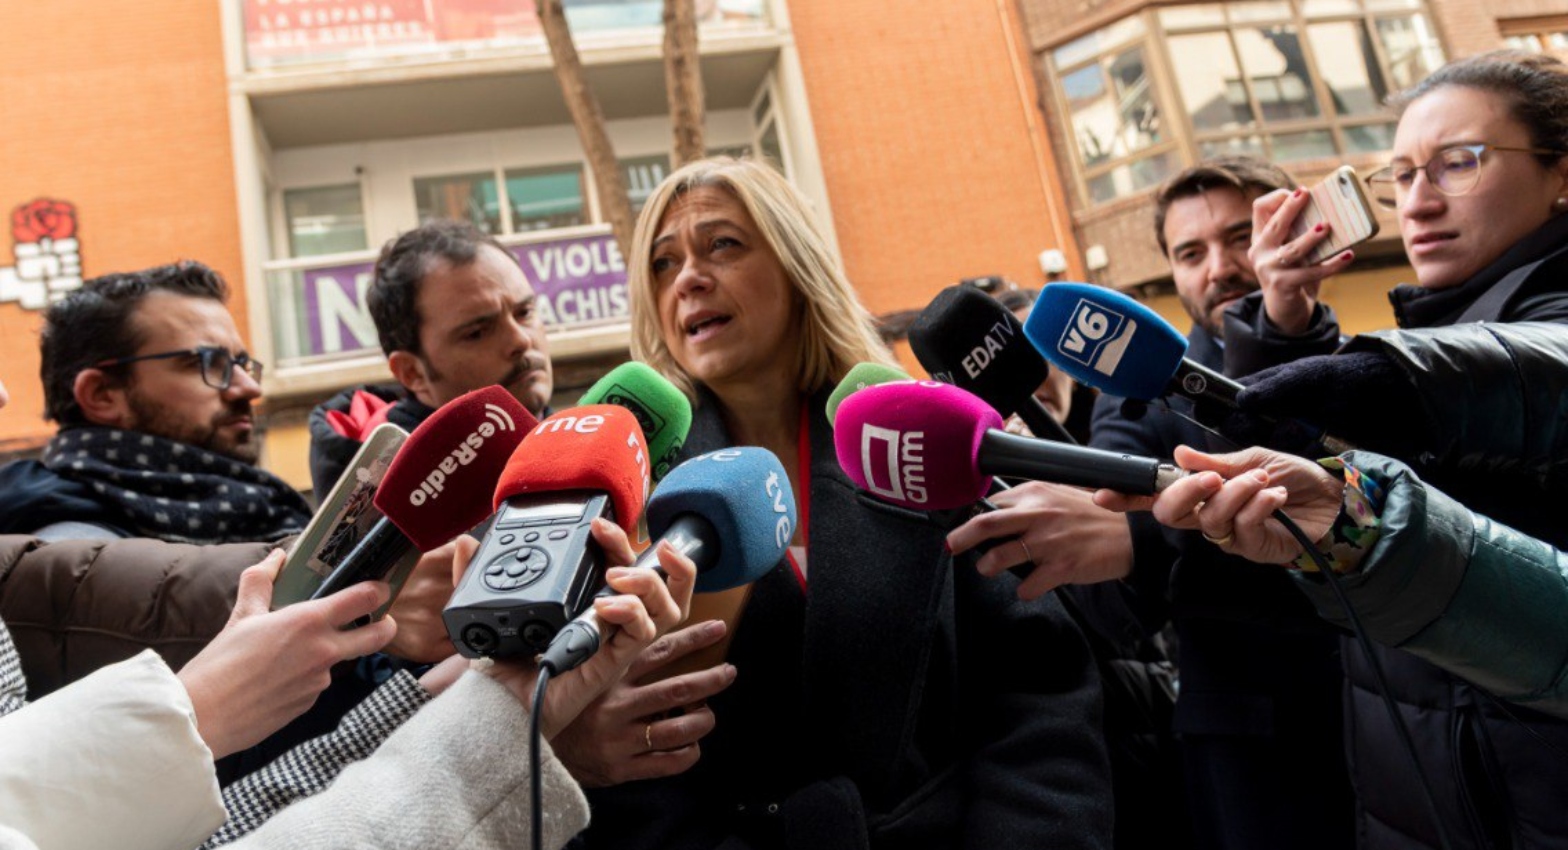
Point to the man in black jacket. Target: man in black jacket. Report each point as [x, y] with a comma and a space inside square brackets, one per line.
[454, 313]
[152, 387]
[1258, 713]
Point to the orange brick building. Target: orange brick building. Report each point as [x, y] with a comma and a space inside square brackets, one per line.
[283, 143]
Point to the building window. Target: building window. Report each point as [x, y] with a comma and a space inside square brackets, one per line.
[643, 174]
[464, 197]
[1285, 80]
[1537, 35]
[1117, 125]
[325, 220]
[543, 198]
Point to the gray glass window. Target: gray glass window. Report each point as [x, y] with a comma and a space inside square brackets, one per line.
[643, 174]
[465, 197]
[325, 220]
[542, 198]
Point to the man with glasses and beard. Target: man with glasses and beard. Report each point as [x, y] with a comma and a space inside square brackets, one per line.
[454, 313]
[151, 385]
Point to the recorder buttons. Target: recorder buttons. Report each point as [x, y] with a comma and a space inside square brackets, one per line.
[516, 568]
[560, 534]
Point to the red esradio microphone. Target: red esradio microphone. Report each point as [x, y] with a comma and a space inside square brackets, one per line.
[538, 566]
[439, 484]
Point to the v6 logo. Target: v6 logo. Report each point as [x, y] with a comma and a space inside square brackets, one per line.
[1096, 336]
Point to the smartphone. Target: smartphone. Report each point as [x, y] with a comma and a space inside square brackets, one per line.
[346, 515]
[1340, 201]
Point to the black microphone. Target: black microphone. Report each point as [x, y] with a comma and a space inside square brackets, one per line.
[968, 339]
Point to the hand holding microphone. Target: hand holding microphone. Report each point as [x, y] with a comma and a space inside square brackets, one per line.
[537, 567]
[645, 604]
[1231, 499]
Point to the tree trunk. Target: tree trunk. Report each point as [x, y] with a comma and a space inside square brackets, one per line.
[683, 80]
[588, 118]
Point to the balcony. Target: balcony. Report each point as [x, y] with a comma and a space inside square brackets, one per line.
[320, 72]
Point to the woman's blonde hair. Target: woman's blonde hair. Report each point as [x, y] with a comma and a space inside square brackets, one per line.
[836, 330]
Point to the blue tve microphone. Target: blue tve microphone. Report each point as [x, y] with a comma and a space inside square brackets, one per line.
[1111, 342]
[731, 511]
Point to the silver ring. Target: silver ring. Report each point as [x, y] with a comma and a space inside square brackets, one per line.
[1027, 553]
[647, 736]
[1285, 258]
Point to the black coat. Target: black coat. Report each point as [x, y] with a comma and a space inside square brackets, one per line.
[902, 702]
[1498, 771]
[1258, 711]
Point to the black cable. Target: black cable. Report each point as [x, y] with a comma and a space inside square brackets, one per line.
[1403, 731]
[536, 791]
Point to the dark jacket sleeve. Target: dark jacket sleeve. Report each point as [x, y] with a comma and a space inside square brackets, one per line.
[1470, 595]
[1253, 344]
[1491, 394]
[76, 606]
[1154, 547]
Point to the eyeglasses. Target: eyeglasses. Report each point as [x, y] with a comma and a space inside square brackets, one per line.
[217, 364]
[1454, 171]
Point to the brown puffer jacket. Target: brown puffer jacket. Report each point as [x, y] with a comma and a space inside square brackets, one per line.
[76, 606]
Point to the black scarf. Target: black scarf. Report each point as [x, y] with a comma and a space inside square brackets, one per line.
[174, 491]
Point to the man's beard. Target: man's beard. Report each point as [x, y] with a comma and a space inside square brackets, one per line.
[150, 418]
[1224, 290]
[505, 382]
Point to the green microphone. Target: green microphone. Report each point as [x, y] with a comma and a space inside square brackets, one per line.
[662, 410]
[861, 376]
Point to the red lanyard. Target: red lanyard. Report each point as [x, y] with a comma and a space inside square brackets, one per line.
[803, 482]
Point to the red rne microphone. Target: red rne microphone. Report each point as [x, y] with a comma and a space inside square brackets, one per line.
[934, 447]
[539, 566]
[439, 484]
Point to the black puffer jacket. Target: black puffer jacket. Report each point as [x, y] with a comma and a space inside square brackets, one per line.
[1511, 379]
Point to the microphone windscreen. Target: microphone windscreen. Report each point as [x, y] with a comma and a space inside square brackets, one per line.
[858, 378]
[439, 484]
[661, 409]
[745, 495]
[598, 447]
[915, 444]
[968, 339]
[1105, 339]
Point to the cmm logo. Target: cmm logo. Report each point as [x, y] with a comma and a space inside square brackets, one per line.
[1096, 336]
[496, 421]
[894, 463]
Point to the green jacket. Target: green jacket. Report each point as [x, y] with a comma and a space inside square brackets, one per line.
[1468, 594]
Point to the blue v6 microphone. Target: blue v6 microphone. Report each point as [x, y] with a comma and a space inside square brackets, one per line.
[731, 511]
[1109, 341]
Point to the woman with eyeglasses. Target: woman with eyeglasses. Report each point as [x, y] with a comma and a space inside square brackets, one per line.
[1478, 182]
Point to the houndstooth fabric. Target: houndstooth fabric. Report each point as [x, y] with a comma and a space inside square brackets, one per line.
[310, 767]
[13, 687]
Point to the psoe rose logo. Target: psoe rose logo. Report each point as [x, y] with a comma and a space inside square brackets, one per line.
[48, 255]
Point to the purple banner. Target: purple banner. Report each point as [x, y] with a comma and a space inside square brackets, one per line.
[579, 281]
